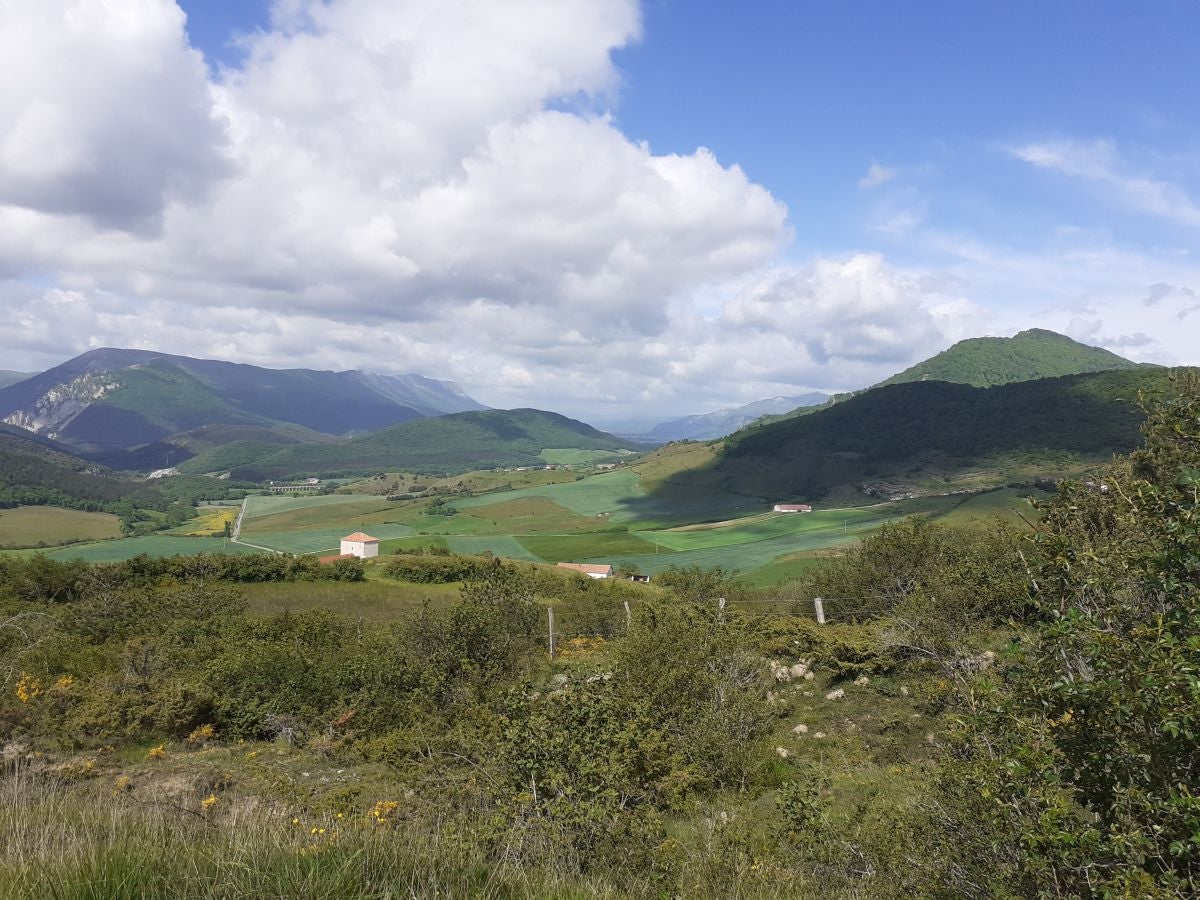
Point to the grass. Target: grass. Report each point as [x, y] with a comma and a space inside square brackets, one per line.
[565, 547]
[150, 545]
[575, 457]
[1009, 504]
[317, 540]
[607, 495]
[31, 526]
[499, 544]
[372, 601]
[210, 521]
[784, 568]
[76, 839]
[336, 508]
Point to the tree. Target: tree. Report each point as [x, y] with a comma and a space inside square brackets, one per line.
[1090, 757]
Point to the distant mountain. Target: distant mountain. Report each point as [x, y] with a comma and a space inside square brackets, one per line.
[7, 378]
[113, 400]
[933, 436]
[707, 426]
[1032, 354]
[459, 442]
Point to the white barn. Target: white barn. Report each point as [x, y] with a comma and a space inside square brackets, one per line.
[361, 545]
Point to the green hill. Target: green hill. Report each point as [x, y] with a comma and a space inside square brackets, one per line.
[932, 437]
[1029, 355]
[444, 445]
[110, 400]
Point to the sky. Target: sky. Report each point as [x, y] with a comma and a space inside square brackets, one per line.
[624, 212]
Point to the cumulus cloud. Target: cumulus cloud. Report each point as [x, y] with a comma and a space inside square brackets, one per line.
[388, 168]
[1099, 162]
[107, 111]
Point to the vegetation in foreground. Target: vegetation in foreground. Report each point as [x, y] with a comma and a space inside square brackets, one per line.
[988, 712]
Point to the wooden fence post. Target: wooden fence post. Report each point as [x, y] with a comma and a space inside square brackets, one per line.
[819, 606]
[628, 617]
[550, 617]
[721, 610]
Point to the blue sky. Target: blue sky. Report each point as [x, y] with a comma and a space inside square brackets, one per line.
[804, 96]
[880, 179]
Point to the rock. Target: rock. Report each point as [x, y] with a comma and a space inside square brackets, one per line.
[862, 681]
[836, 694]
[783, 752]
[819, 734]
[800, 729]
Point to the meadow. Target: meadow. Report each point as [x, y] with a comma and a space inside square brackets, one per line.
[150, 545]
[32, 526]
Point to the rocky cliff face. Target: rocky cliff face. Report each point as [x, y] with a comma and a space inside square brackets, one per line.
[50, 413]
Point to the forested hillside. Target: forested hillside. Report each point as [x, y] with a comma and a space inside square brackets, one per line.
[1028, 355]
[444, 445]
[895, 439]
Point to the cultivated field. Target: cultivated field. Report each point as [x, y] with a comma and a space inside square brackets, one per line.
[33, 526]
[151, 545]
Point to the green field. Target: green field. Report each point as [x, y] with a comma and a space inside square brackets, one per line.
[499, 544]
[569, 457]
[319, 540]
[151, 545]
[32, 526]
[606, 496]
[569, 547]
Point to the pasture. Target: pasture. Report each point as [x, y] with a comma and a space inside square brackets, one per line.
[576, 457]
[151, 545]
[36, 526]
[607, 496]
[319, 540]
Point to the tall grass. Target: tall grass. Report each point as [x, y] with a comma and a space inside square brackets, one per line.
[69, 841]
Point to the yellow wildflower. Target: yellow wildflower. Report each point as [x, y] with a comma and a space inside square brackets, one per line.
[209, 802]
[158, 752]
[124, 784]
[64, 682]
[28, 687]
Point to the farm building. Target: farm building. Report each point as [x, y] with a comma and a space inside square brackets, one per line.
[361, 545]
[792, 507]
[591, 571]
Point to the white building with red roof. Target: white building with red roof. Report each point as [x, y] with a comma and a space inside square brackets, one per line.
[793, 507]
[589, 569]
[361, 545]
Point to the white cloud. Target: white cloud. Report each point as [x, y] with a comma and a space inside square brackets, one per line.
[876, 175]
[392, 167]
[1098, 161]
[107, 111]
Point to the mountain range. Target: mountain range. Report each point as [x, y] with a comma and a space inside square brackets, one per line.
[707, 426]
[113, 400]
[981, 412]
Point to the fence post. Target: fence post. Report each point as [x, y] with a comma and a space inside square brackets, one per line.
[550, 618]
[721, 610]
[819, 606]
[628, 617]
